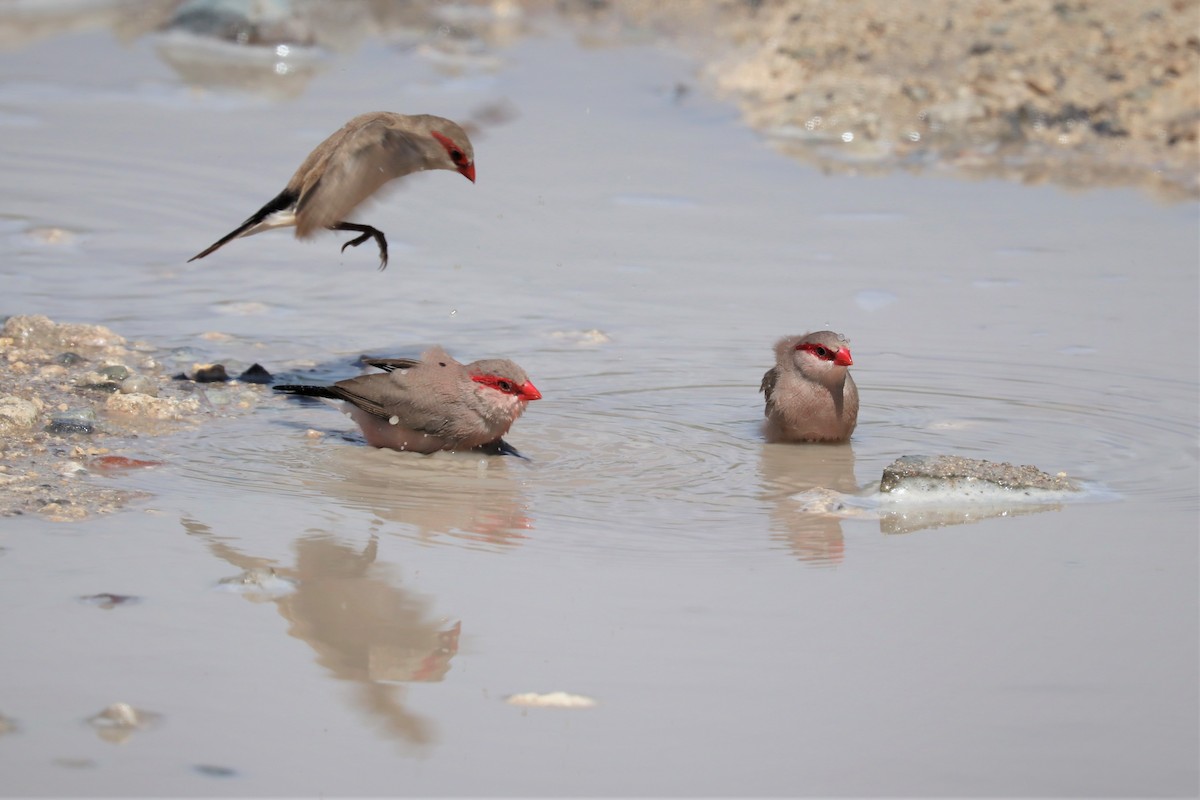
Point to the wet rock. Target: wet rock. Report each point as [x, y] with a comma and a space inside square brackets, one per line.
[256, 373]
[963, 475]
[69, 359]
[114, 372]
[258, 583]
[120, 721]
[148, 407]
[138, 384]
[82, 420]
[18, 414]
[209, 373]
[40, 332]
[115, 463]
[96, 382]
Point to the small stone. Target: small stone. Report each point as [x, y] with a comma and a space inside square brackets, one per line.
[113, 463]
[52, 371]
[18, 414]
[69, 359]
[955, 470]
[114, 372]
[209, 373]
[139, 384]
[551, 700]
[77, 421]
[97, 382]
[122, 715]
[256, 373]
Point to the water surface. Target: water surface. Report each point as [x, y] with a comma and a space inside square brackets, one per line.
[638, 251]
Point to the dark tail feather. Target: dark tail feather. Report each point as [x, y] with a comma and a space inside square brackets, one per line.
[309, 391]
[283, 200]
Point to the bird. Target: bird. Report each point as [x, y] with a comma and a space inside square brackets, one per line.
[350, 166]
[809, 392]
[432, 403]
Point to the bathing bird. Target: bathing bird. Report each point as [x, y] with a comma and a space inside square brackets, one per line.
[432, 403]
[810, 394]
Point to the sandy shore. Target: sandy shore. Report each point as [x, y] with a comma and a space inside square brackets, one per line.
[1083, 93]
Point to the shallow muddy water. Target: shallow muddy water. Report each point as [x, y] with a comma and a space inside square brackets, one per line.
[637, 250]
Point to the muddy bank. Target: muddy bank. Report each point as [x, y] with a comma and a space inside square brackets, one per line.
[79, 403]
[1081, 93]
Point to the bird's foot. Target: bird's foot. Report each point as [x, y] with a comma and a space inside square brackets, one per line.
[367, 233]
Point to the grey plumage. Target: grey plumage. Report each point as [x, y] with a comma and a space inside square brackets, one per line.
[810, 395]
[432, 403]
[353, 164]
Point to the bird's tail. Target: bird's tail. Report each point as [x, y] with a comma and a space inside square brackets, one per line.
[326, 392]
[284, 200]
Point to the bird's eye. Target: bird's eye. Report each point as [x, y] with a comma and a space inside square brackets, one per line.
[821, 351]
[456, 156]
[505, 386]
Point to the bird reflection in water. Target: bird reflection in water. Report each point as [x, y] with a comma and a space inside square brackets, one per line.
[786, 470]
[363, 627]
[450, 498]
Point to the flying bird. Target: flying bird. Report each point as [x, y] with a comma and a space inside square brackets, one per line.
[350, 166]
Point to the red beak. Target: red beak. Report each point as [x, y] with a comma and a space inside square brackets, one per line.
[530, 392]
[468, 171]
[843, 359]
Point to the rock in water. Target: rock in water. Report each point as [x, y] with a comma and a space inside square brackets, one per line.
[967, 475]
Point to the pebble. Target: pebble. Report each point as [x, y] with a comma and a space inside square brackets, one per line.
[17, 413]
[551, 700]
[139, 384]
[81, 420]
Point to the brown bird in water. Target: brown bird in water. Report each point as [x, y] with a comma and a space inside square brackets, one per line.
[810, 394]
[350, 166]
[432, 403]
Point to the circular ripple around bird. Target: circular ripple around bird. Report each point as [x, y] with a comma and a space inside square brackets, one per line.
[681, 471]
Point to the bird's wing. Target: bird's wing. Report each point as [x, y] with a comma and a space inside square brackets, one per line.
[357, 166]
[388, 395]
[389, 364]
[767, 387]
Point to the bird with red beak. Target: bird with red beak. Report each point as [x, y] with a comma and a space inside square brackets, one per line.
[432, 403]
[350, 166]
[810, 394]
